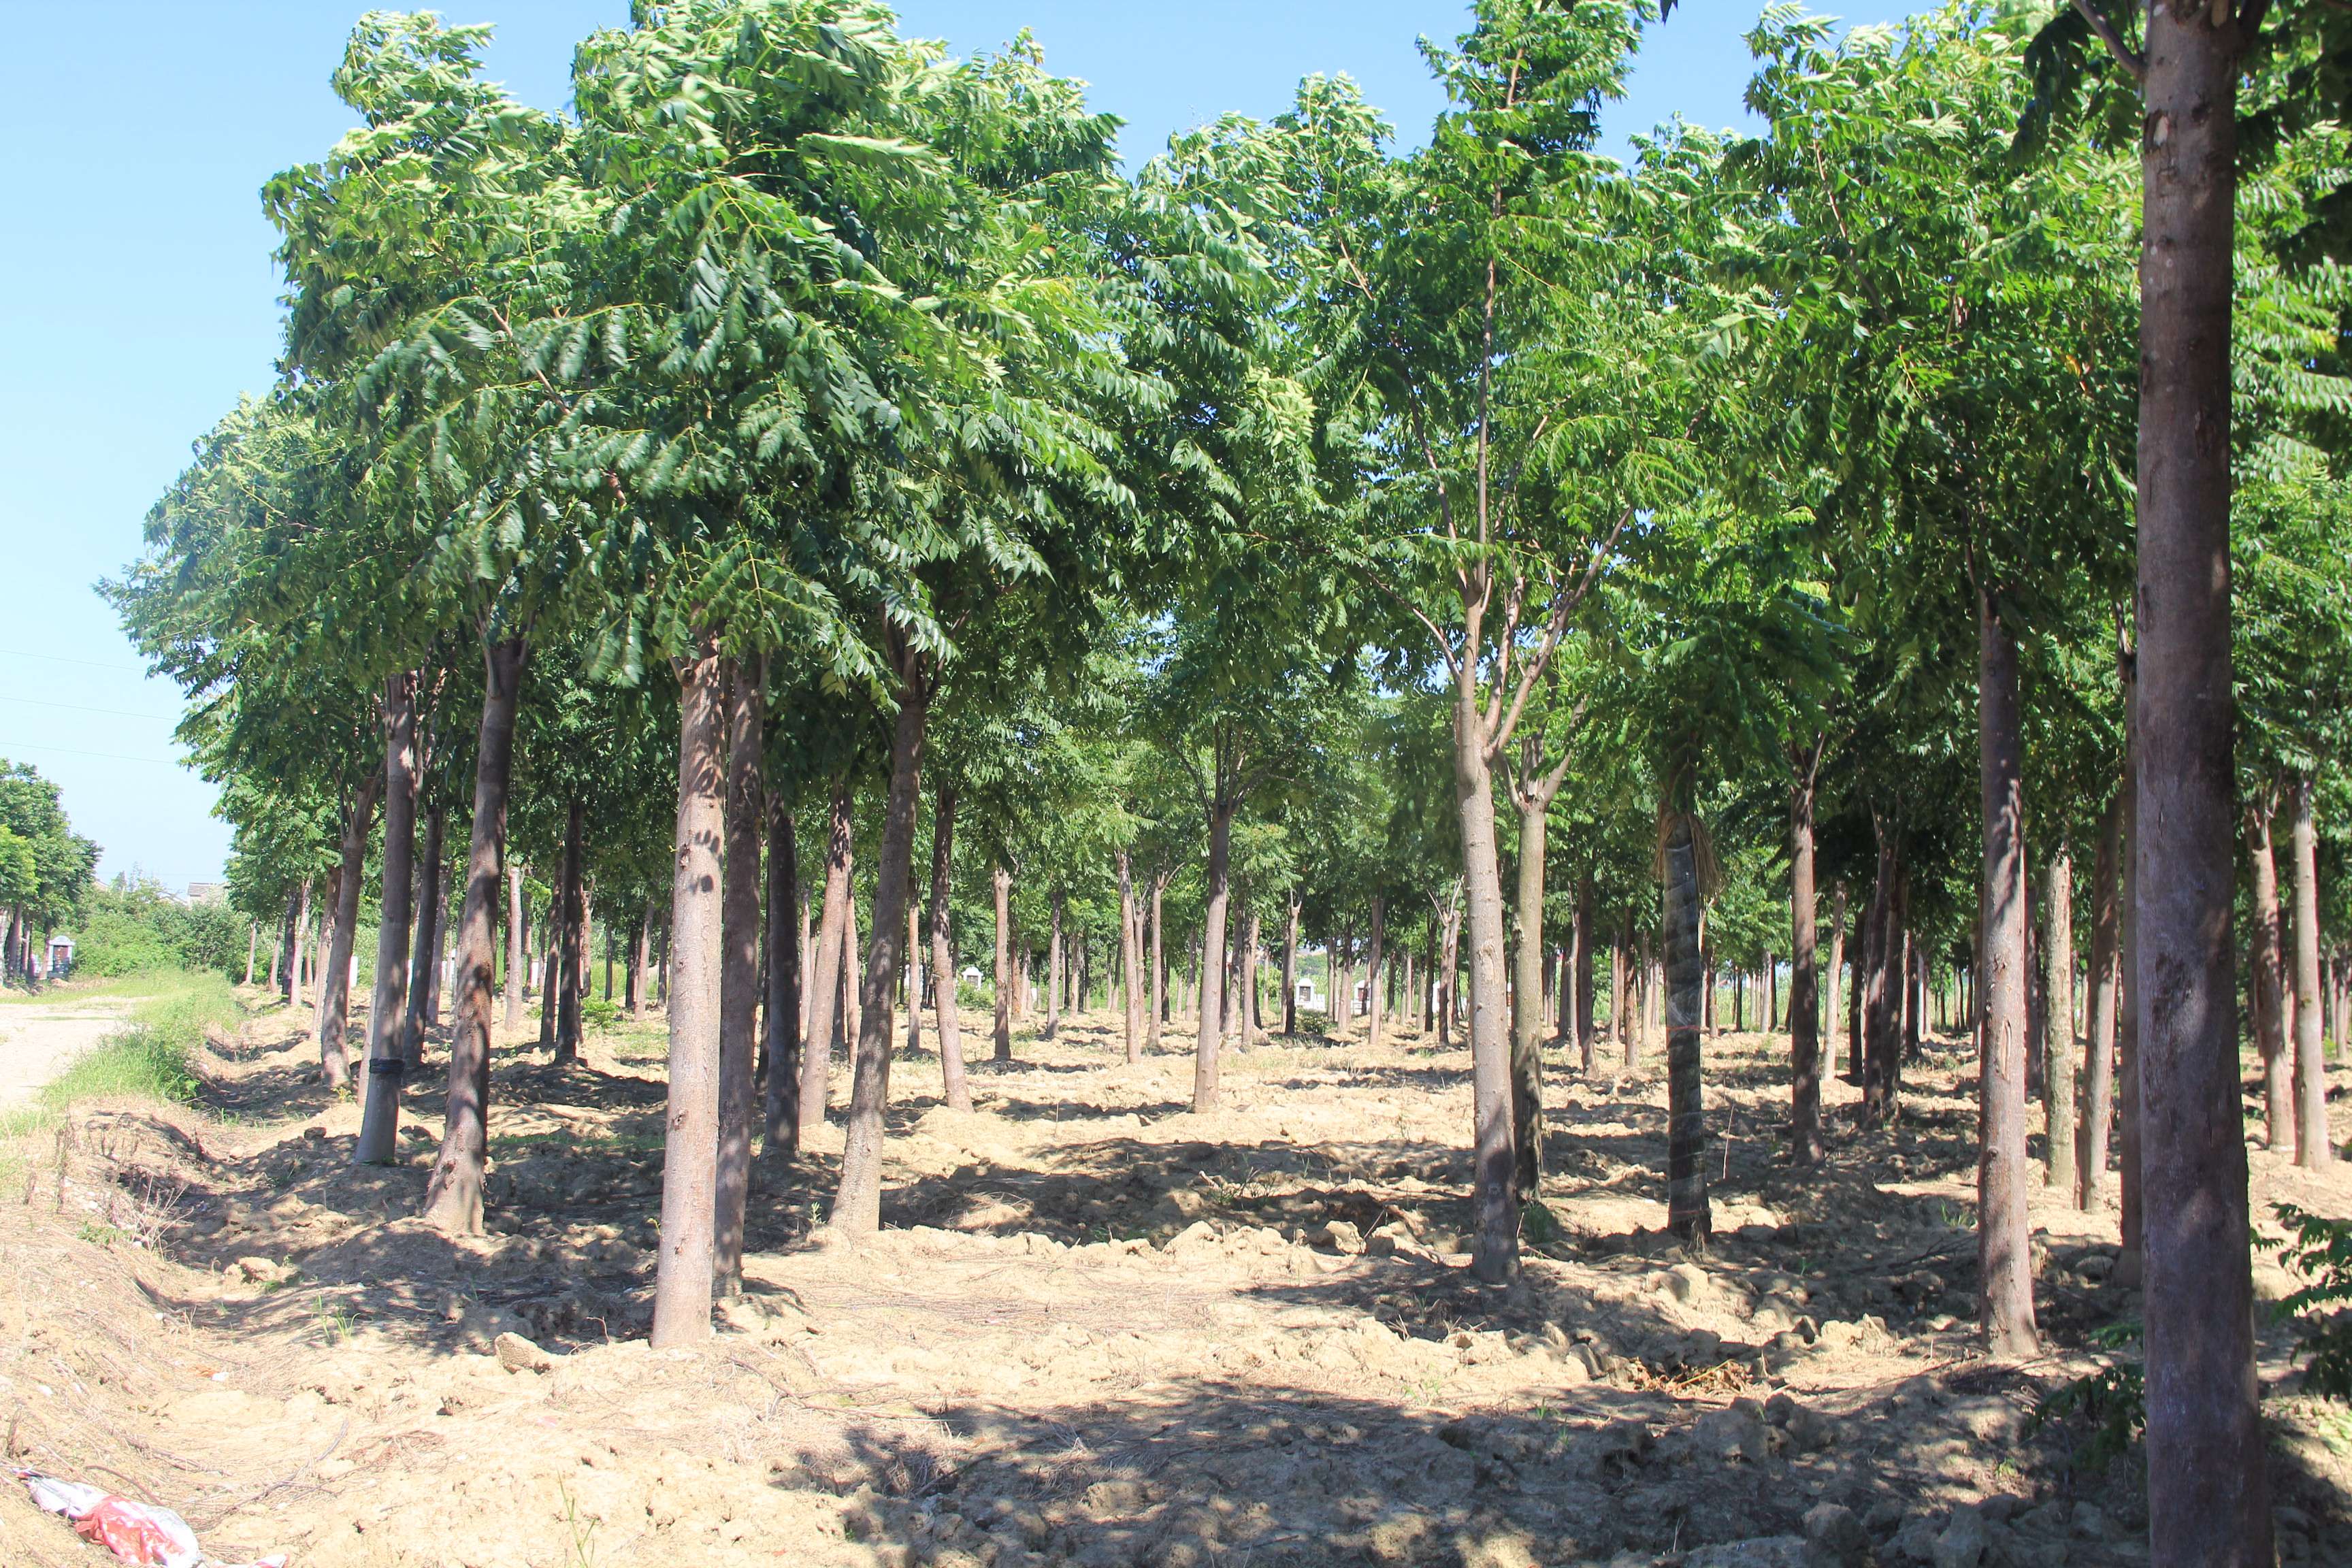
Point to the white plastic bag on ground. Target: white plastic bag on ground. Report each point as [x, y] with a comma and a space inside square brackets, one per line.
[139, 1534]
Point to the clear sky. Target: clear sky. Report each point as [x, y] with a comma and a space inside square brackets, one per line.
[138, 299]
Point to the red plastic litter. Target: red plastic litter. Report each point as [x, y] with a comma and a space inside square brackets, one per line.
[139, 1534]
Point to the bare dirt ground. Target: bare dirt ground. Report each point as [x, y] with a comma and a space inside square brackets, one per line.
[1098, 1329]
[40, 1034]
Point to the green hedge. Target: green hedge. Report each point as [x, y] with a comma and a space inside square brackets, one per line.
[132, 927]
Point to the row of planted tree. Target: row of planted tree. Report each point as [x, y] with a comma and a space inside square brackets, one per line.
[812, 434]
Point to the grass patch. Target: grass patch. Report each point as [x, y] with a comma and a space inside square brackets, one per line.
[145, 985]
[152, 1056]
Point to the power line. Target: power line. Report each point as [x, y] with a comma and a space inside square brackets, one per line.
[6, 747]
[78, 708]
[61, 658]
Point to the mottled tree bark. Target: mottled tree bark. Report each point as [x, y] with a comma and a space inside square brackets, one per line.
[1687, 1211]
[2099, 1044]
[380, 1117]
[1003, 880]
[684, 1274]
[518, 961]
[738, 964]
[453, 1201]
[573, 978]
[2312, 1150]
[2266, 977]
[781, 1026]
[2058, 1019]
[335, 979]
[425, 966]
[944, 978]
[824, 975]
[1804, 1020]
[858, 1207]
[2005, 1248]
[1205, 1052]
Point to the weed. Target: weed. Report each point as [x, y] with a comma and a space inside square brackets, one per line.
[334, 1320]
[2111, 1400]
[582, 1529]
[100, 1234]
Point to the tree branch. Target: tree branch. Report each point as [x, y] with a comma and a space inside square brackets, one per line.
[2125, 56]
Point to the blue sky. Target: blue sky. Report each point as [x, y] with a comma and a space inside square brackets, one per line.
[136, 297]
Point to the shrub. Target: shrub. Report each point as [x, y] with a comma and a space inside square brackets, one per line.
[2112, 1402]
[2320, 1249]
[134, 927]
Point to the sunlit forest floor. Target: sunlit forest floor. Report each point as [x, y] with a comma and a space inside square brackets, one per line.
[1096, 1330]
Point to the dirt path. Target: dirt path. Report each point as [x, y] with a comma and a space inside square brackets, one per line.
[1098, 1330]
[39, 1037]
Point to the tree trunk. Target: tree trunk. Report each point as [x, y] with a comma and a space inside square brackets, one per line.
[1159, 964]
[915, 956]
[1881, 1005]
[1834, 982]
[573, 979]
[1633, 1041]
[1213, 958]
[1374, 1011]
[2129, 1259]
[335, 980]
[380, 1118]
[684, 1274]
[1290, 968]
[1131, 958]
[1252, 935]
[781, 1104]
[641, 963]
[944, 977]
[858, 1207]
[424, 970]
[1002, 879]
[2004, 1231]
[2058, 1049]
[550, 984]
[824, 977]
[518, 961]
[2266, 977]
[1588, 922]
[452, 1202]
[1527, 984]
[1804, 1008]
[2099, 1043]
[1053, 967]
[2311, 1149]
[1449, 1015]
[1687, 1214]
[2206, 1479]
[738, 962]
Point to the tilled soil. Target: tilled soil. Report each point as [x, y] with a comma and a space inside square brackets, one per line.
[1097, 1328]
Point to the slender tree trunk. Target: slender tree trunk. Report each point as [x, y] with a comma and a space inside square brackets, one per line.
[518, 961]
[915, 959]
[1158, 964]
[1588, 922]
[824, 978]
[1804, 1008]
[1053, 967]
[380, 1118]
[335, 980]
[1290, 969]
[1004, 978]
[551, 984]
[1834, 982]
[944, 978]
[2130, 1256]
[1373, 999]
[2207, 1471]
[1687, 1211]
[857, 1207]
[572, 981]
[2058, 1050]
[738, 962]
[1213, 960]
[1131, 959]
[1526, 998]
[2266, 976]
[2099, 1044]
[2312, 1150]
[641, 963]
[684, 1274]
[786, 947]
[1253, 931]
[1449, 1015]
[2004, 1231]
[1881, 1005]
[453, 1201]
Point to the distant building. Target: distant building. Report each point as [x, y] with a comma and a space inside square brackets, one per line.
[208, 892]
